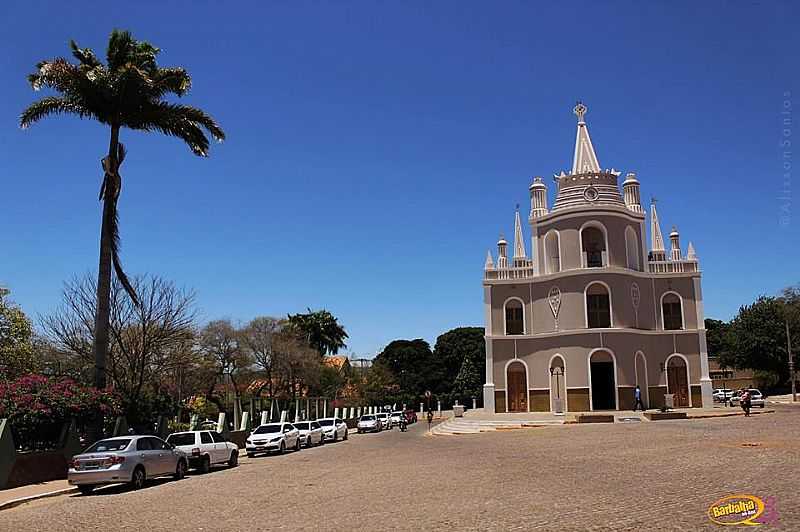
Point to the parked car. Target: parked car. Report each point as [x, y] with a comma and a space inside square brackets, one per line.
[205, 448]
[721, 395]
[369, 423]
[411, 416]
[129, 459]
[273, 437]
[383, 417]
[756, 399]
[310, 432]
[333, 429]
[395, 417]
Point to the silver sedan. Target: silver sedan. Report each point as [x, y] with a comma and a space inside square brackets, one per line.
[128, 459]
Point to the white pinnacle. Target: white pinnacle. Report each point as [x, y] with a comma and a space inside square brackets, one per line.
[585, 159]
[657, 241]
[489, 262]
[690, 252]
[519, 241]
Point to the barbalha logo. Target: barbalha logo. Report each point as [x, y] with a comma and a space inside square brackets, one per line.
[743, 510]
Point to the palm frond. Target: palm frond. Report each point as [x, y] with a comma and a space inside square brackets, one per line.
[84, 55]
[182, 121]
[118, 270]
[170, 81]
[51, 105]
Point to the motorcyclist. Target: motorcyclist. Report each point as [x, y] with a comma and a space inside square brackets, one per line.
[403, 423]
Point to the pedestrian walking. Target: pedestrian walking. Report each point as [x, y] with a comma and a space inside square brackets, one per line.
[746, 401]
[637, 398]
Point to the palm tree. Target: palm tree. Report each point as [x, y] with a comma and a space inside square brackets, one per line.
[127, 91]
[321, 329]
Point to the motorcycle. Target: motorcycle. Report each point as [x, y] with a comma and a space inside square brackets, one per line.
[403, 425]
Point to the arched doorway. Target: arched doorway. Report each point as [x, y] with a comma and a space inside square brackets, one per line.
[641, 378]
[603, 381]
[517, 387]
[558, 384]
[678, 381]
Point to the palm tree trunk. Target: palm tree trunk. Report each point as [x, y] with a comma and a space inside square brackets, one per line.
[103, 308]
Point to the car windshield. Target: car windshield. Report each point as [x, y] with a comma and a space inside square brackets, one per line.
[267, 429]
[326, 422]
[182, 438]
[397, 413]
[104, 446]
[754, 392]
[367, 418]
[301, 426]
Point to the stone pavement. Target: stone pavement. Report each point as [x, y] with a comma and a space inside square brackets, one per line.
[620, 476]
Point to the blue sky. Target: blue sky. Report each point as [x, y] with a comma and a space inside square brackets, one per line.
[376, 149]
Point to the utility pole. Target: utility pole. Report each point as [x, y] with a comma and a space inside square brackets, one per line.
[791, 360]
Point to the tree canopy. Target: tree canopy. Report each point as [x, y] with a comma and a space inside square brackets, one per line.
[16, 340]
[321, 329]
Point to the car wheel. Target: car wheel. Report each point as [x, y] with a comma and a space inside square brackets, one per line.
[345, 434]
[309, 443]
[205, 465]
[283, 447]
[335, 436]
[180, 470]
[86, 489]
[138, 478]
[251, 455]
[298, 444]
[234, 459]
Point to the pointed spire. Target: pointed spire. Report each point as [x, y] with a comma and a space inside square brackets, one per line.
[690, 252]
[585, 160]
[656, 240]
[489, 265]
[519, 240]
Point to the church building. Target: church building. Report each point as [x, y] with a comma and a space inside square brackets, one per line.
[592, 311]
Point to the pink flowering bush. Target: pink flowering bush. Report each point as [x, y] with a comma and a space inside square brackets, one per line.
[37, 406]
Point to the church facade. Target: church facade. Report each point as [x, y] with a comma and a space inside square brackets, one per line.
[594, 311]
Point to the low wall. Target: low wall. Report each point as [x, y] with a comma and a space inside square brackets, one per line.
[19, 469]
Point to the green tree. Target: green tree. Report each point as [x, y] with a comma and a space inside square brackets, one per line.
[718, 341]
[16, 340]
[412, 365]
[469, 381]
[321, 329]
[758, 335]
[128, 91]
[454, 347]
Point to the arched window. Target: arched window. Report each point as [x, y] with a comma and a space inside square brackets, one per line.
[632, 248]
[552, 253]
[515, 317]
[598, 306]
[672, 311]
[593, 244]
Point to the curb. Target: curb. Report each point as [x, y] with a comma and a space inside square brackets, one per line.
[22, 500]
[731, 414]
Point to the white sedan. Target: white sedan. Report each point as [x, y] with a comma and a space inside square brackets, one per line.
[369, 423]
[383, 417]
[205, 448]
[310, 432]
[273, 437]
[333, 429]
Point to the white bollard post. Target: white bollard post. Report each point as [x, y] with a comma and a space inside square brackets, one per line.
[296, 411]
[245, 421]
[221, 422]
[284, 415]
[336, 412]
[474, 403]
[324, 408]
[422, 408]
[439, 408]
[264, 417]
